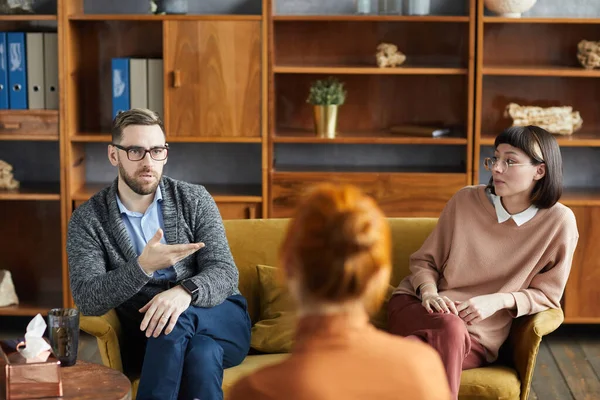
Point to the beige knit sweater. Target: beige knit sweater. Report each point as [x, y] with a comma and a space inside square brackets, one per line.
[470, 254]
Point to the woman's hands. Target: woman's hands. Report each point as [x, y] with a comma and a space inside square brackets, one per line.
[439, 304]
[472, 311]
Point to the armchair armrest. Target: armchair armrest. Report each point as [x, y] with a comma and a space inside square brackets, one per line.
[107, 330]
[525, 338]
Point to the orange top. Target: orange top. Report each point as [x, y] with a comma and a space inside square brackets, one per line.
[337, 357]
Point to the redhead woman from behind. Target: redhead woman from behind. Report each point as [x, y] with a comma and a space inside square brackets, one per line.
[336, 258]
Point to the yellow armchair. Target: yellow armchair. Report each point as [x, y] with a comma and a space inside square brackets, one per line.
[509, 381]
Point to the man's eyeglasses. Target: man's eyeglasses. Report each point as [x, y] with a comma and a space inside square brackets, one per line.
[136, 153]
[490, 162]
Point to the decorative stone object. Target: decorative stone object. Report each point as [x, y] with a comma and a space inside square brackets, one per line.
[169, 6]
[558, 120]
[509, 8]
[588, 54]
[8, 296]
[389, 56]
[7, 181]
[16, 6]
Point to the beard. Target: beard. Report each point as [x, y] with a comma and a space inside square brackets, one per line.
[136, 184]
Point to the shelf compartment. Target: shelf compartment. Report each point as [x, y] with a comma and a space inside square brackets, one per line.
[376, 102]
[551, 48]
[31, 249]
[541, 20]
[41, 191]
[364, 137]
[29, 125]
[368, 70]
[581, 94]
[221, 193]
[540, 70]
[106, 138]
[91, 46]
[372, 18]
[398, 194]
[165, 17]
[326, 44]
[577, 139]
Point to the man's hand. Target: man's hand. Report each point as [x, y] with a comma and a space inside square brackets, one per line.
[481, 307]
[157, 255]
[164, 307]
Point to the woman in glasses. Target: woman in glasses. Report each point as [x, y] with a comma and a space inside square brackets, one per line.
[337, 260]
[499, 251]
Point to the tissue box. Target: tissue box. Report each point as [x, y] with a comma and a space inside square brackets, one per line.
[21, 380]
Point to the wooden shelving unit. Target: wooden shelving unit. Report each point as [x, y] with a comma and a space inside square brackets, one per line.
[532, 61]
[31, 239]
[433, 88]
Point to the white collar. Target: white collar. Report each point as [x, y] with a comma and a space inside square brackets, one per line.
[519, 218]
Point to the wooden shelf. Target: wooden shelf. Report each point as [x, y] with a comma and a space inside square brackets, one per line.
[33, 137]
[27, 309]
[106, 138]
[375, 170]
[581, 197]
[368, 70]
[33, 191]
[229, 193]
[534, 20]
[377, 18]
[170, 17]
[578, 139]
[28, 17]
[540, 70]
[302, 136]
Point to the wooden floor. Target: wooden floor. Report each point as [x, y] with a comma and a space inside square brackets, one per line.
[567, 368]
[568, 365]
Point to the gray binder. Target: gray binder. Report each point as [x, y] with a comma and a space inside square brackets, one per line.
[155, 86]
[35, 70]
[51, 70]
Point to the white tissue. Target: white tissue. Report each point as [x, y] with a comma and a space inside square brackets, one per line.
[36, 348]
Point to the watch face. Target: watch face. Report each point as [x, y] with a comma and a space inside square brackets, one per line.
[190, 286]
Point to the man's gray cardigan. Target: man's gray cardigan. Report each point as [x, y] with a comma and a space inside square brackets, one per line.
[103, 266]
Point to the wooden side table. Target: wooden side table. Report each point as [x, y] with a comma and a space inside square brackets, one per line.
[87, 381]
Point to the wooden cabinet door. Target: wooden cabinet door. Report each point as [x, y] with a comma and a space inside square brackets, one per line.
[582, 294]
[213, 84]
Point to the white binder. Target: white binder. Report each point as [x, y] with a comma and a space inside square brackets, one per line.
[138, 82]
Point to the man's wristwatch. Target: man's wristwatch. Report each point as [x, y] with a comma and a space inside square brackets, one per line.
[191, 288]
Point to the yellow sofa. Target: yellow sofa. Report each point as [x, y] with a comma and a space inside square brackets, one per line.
[256, 242]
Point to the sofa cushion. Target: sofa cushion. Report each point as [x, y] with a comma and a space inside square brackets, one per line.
[492, 382]
[274, 332]
[248, 366]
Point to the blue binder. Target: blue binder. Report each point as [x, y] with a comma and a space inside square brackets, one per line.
[17, 70]
[120, 85]
[3, 73]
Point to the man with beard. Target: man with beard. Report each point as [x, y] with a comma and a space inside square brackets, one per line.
[154, 248]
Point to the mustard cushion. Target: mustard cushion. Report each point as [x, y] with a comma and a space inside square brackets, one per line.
[274, 332]
[491, 382]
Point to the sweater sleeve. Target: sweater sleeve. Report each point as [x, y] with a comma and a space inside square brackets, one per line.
[547, 287]
[217, 275]
[95, 289]
[427, 262]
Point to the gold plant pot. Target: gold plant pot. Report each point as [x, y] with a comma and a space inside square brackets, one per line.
[326, 121]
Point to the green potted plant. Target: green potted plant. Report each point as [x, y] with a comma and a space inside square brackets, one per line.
[326, 96]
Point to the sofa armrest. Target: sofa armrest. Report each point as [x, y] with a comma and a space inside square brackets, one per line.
[525, 338]
[107, 330]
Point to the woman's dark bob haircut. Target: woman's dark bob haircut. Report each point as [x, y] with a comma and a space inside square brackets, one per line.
[541, 147]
